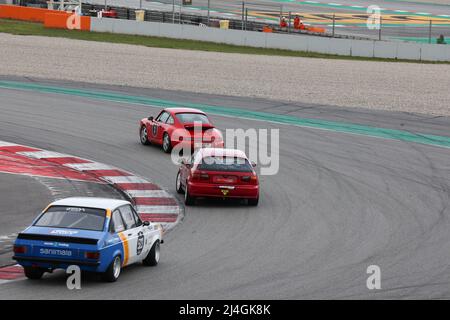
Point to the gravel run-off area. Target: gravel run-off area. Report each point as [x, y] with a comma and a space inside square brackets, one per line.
[409, 87]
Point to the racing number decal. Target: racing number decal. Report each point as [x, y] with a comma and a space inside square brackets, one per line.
[140, 243]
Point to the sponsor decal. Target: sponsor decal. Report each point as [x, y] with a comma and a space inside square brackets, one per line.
[63, 232]
[55, 252]
[140, 243]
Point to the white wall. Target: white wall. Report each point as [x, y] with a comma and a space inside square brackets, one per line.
[348, 47]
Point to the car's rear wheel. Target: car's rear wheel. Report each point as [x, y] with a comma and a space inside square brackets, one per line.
[179, 187]
[144, 136]
[33, 273]
[113, 271]
[152, 258]
[188, 199]
[253, 202]
[167, 145]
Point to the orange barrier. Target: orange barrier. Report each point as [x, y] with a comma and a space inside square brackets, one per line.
[316, 29]
[23, 13]
[50, 18]
[65, 20]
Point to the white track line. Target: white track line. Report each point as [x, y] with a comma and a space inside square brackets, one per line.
[90, 166]
[147, 193]
[43, 154]
[158, 209]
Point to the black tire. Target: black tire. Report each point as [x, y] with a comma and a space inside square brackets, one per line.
[178, 185]
[167, 144]
[110, 275]
[33, 273]
[143, 135]
[188, 199]
[253, 202]
[152, 257]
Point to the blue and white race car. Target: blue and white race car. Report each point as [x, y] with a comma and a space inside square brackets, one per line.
[98, 235]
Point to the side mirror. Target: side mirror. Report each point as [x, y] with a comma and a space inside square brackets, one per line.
[150, 118]
[253, 164]
[145, 223]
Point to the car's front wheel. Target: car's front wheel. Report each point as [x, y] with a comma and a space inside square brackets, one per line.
[113, 271]
[33, 273]
[144, 136]
[152, 257]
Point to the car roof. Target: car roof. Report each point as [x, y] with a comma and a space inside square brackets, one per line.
[222, 152]
[90, 202]
[184, 110]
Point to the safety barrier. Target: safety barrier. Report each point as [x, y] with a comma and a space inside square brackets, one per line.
[64, 20]
[22, 13]
[347, 47]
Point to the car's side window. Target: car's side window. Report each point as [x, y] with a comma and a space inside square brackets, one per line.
[163, 117]
[117, 224]
[170, 120]
[128, 217]
[137, 218]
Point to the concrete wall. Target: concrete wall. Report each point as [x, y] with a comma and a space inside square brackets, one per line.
[348, 47]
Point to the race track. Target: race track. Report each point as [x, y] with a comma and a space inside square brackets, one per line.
[340, 203]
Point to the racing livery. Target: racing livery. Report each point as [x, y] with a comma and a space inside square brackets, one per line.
[178, 125]
[218, 173]
[97, 234]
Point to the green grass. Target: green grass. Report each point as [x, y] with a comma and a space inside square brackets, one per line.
[37, 29]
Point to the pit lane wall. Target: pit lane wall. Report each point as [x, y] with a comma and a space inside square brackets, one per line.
[308, 43]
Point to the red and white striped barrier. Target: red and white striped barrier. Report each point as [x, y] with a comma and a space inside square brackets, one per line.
[152, 203]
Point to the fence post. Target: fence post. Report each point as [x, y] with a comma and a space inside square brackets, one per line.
[429, 32]
[381, 25]
[208, 11]
[179, 15]
[289, 22]
[173, 11]
[246, 17]
[243, 13]
[334, 23]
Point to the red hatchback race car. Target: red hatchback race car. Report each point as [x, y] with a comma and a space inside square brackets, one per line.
[180, 125]
[218, 173]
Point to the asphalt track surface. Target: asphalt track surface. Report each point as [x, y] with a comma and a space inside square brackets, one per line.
[339, 203]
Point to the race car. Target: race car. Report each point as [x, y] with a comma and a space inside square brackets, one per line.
[172, 126]
[218, 173]
[97, 234]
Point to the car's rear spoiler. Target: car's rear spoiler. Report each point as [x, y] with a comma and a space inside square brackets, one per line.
[46, 237]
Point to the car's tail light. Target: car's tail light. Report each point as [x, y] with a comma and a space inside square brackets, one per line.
[94, 255]
[200, 177]
[253, 179]
[20, 249]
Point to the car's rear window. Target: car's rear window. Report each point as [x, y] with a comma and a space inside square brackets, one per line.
[73, 218]
[192, 117]
[218, 163]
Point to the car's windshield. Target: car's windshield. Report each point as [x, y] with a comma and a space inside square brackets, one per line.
[218, 163]
[192, 117]
[73, 218]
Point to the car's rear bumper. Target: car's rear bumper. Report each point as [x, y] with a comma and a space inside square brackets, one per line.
[55, 263]
[223, 191]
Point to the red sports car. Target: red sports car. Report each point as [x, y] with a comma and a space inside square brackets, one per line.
[178, 125]
[218, 173]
